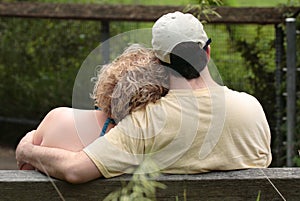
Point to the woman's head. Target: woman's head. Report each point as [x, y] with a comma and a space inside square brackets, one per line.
[130, 82]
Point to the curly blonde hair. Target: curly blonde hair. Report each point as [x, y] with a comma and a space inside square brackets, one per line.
[130, 82]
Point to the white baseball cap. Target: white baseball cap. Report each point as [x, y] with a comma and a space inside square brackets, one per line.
[174, 28]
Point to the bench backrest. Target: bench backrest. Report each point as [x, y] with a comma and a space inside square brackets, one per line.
[272, 183]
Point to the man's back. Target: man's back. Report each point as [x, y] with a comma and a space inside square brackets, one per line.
[191, 131]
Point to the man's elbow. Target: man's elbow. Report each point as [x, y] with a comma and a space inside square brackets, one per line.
[81, 170]
[74, 178]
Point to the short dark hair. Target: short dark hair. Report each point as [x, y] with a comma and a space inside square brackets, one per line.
[188, 59]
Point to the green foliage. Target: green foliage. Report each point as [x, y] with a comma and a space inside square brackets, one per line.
[39, 60]
[258, 196]
[142, 186]
[252, 3]
[36, 62]
[259, 60]
[227, 59]
[297, 143]
[203, 7]
[296, 160]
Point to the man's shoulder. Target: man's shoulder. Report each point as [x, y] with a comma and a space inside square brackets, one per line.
[243, 105]
[240, 97]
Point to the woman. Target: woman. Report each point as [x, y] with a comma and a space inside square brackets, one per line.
[129, 83]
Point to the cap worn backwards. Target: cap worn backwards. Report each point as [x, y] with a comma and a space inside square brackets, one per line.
[174, 28]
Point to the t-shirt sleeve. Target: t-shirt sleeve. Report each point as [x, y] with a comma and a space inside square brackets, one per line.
[265, 137]
[119, 151]
[254, 124]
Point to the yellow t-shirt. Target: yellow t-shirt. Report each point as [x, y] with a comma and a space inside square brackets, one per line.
[188, 132]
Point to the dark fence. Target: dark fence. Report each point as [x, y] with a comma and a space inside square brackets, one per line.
[245, 15]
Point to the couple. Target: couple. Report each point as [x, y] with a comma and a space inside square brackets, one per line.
[195, 126]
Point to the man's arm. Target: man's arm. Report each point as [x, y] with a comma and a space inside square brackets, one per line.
[74, 167]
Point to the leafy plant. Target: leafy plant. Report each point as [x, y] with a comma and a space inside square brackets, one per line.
[258, 196]
[203, 7]
[142, 186]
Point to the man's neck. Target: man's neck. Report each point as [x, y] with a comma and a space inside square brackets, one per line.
[204, 81]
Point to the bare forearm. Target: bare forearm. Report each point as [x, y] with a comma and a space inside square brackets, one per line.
[74, 167]
[52, 161]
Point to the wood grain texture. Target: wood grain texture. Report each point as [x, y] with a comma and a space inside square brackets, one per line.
[230, 185]
[105, 12]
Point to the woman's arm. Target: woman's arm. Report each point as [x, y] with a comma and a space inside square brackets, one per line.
[74, 167]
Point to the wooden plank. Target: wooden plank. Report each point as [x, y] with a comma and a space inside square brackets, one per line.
[254, 15]
[105, 12]
[231, 185]
[85, 11]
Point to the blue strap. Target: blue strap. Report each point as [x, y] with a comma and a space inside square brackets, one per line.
[98, 108]
[107, 122]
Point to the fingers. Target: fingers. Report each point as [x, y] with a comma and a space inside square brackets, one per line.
[29, 137]
[20, 165]
[23, 148]
[25, 166]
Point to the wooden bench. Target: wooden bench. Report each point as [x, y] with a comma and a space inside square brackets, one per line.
[272, 183]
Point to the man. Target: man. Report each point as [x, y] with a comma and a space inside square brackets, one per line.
[197, 127]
